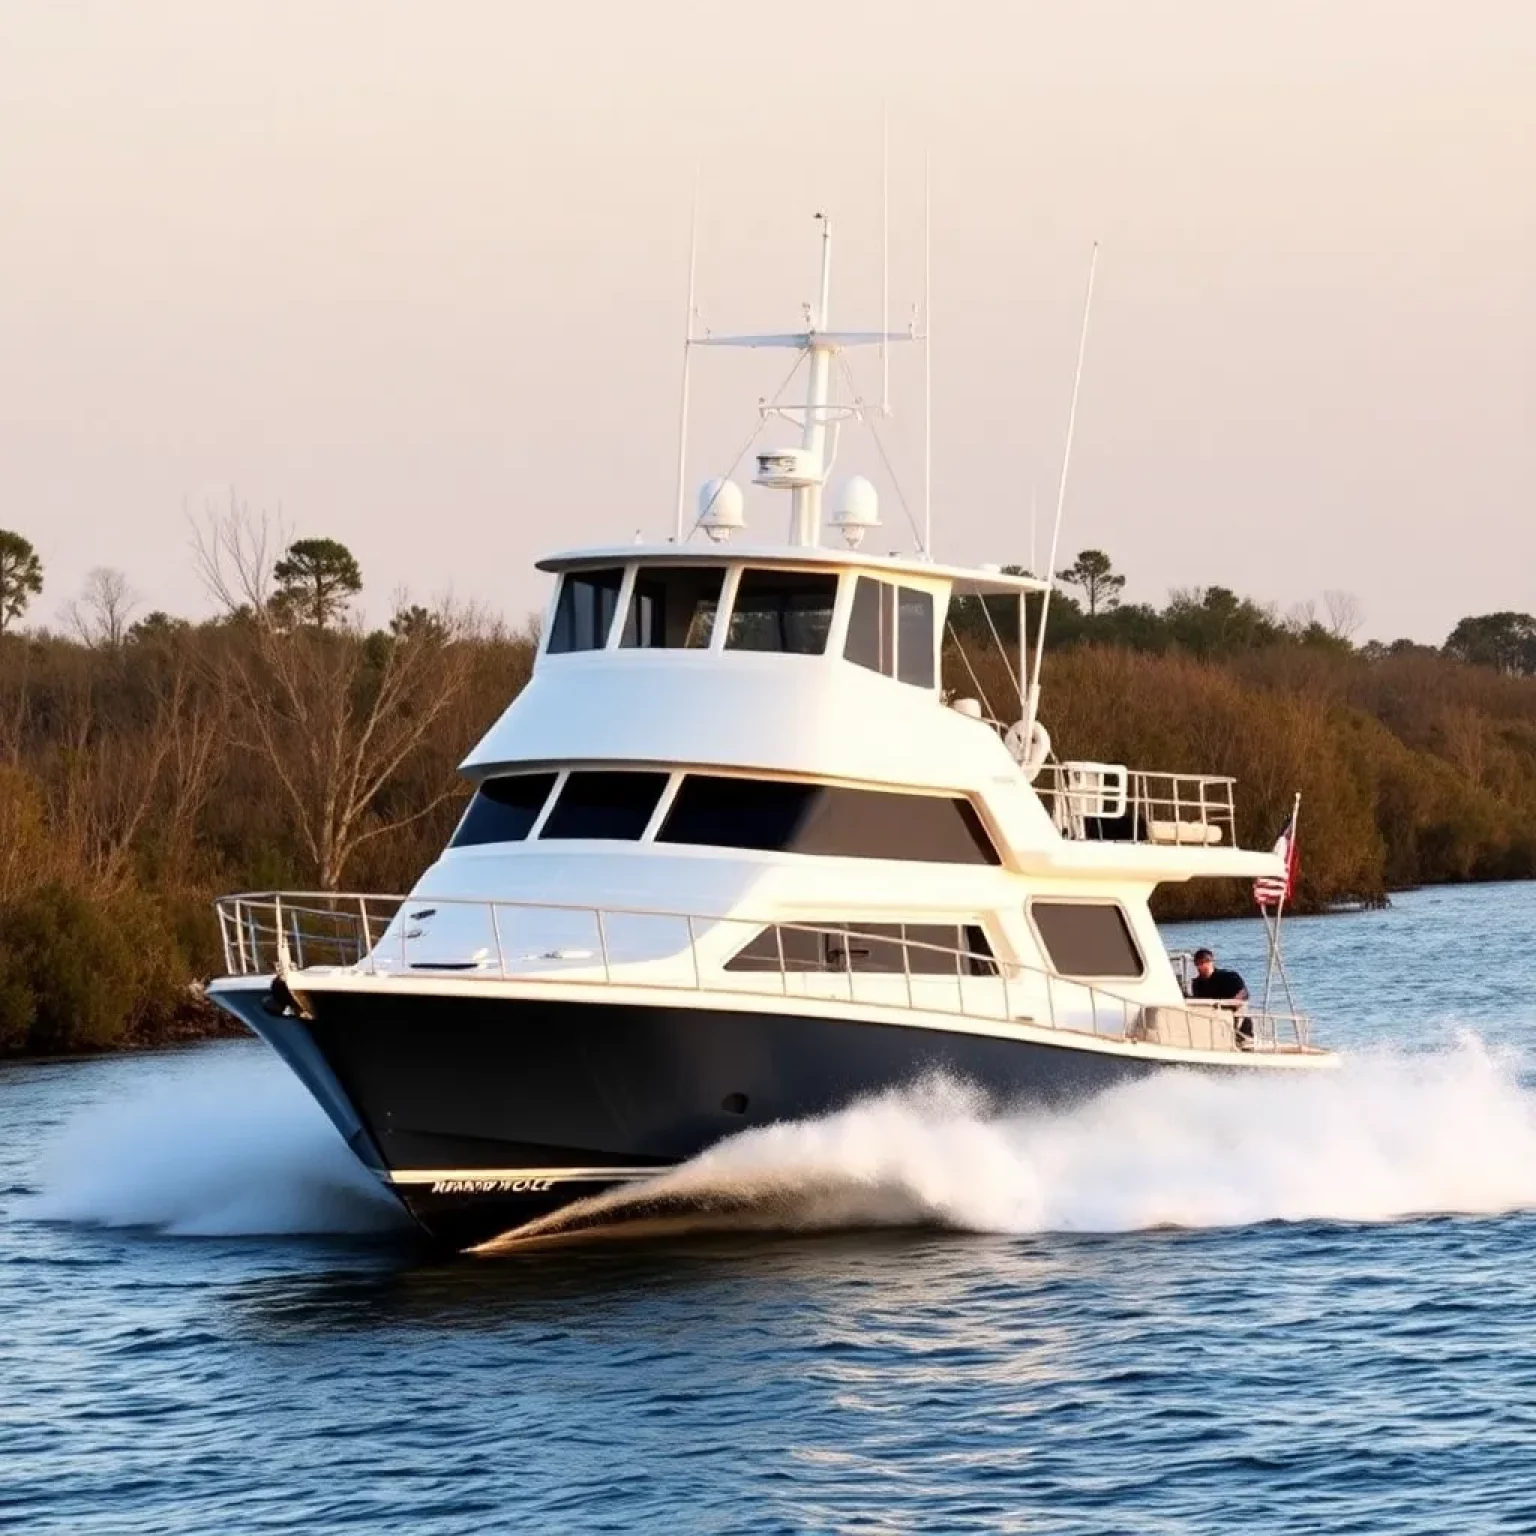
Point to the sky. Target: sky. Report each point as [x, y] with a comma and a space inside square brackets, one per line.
[414, 277]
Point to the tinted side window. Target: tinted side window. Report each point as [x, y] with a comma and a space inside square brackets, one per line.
[673, 606]
[870, 947]
[1086, 938]
[504, 809]
[871, 638]
[602, 804]
[870, 824]
[802, 951]
[826, 819]
[737, 813]
[585, 609]
[782, 611]
[914, 636]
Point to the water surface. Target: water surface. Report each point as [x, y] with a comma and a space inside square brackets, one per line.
[1188, 1307]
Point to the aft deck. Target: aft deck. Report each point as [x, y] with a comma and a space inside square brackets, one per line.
[382, 937]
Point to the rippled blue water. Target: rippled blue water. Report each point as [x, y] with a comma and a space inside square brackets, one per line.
[265, 1351]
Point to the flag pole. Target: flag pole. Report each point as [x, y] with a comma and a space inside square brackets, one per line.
[1276, 958]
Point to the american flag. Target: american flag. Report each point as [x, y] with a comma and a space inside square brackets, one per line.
[1271, 890]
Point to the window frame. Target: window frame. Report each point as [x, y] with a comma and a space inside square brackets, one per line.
[620, 607]
[1114, 904]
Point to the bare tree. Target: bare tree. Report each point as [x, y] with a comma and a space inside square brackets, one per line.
[334, 714]
[1344, 613]
[103, 611]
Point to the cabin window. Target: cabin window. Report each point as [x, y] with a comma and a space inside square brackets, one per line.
[1086, 938]
[674, 607]
[615, 805]
[826, 819]
[782, 611]
[871, 638]
[504, 809]
[585, 609]
[931, 950]
[890, 631]
[914, 636]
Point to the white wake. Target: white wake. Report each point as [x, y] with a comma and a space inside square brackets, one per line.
[222, 1148]
[1382, 1138]
[235, 1146]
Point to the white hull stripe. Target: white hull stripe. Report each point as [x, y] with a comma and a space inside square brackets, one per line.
[509, 1175]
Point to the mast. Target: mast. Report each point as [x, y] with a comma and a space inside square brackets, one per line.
[813, 438]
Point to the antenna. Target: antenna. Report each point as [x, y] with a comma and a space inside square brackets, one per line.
[885, 263]
[682, 415]
[928, 353]
[1033, 703]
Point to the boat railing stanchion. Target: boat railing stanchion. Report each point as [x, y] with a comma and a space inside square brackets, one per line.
[236, 920]
[501, 954]
[402, 921]
[297, 936]
[693, 950]
[906, 969]
[778, 939]
[1093, 1007]
[367, 927]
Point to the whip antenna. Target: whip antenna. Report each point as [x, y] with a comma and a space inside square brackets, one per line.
[682, 414]
[1033, 708]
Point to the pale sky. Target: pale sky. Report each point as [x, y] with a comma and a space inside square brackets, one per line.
[413, 276]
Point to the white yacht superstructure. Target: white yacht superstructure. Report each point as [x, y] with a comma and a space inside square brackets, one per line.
[735, 856]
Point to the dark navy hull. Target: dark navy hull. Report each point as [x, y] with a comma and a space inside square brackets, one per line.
[487, 1113]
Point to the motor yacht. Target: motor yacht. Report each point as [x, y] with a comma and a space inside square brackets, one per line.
[736, 856]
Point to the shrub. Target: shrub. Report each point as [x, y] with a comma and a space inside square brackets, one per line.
[78, 974]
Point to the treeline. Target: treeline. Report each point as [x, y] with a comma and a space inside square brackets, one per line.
[149, 764]
[1416, 764]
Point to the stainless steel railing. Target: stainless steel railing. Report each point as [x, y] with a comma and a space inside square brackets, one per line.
[276, 933]
[1113, 802]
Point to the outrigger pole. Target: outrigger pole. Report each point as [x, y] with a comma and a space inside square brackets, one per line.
[1276, 958]
[1032, 707]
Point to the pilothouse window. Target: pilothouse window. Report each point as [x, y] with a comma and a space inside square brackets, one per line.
[673, 607]
[890, 630]
[782, 611]
[827, 819]
[585, 609]
[614, 805]
[504, 809]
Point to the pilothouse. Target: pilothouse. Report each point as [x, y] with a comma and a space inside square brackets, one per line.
[734, 856]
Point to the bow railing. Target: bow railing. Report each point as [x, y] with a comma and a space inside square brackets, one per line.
[878, 965]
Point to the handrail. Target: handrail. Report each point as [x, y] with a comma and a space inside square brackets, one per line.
[1117, 803]
[336, 930]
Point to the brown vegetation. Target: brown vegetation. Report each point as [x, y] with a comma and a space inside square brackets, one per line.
[145, 768]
